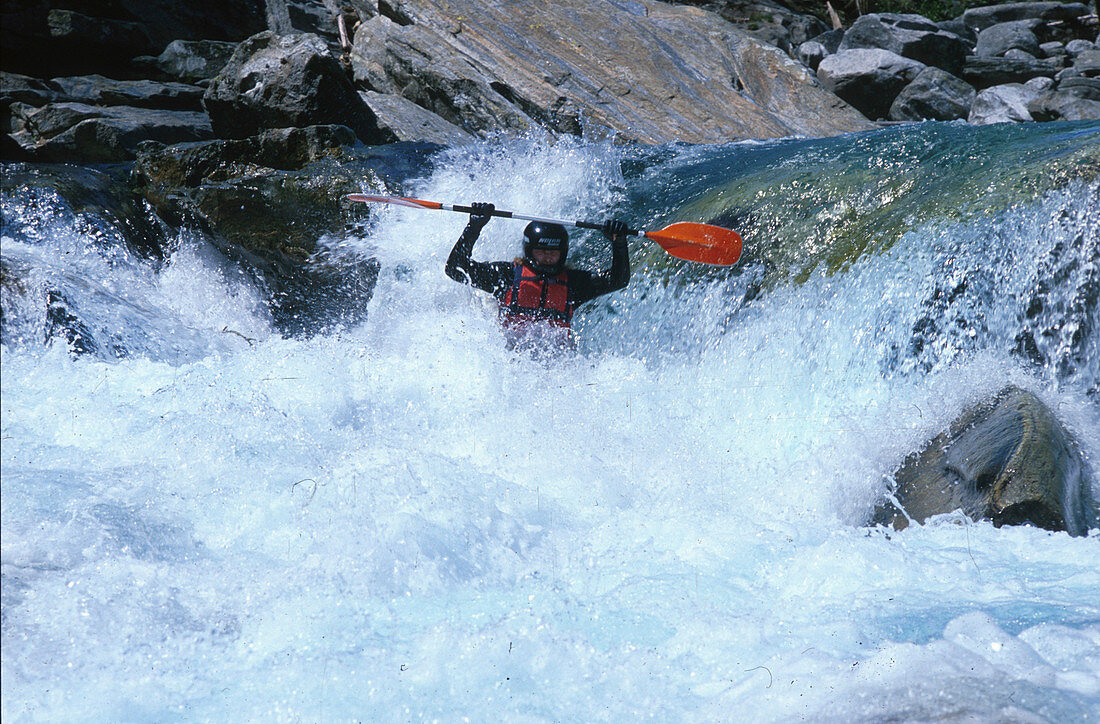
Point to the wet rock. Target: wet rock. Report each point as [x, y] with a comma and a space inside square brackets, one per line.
[275, 81]
[869, 79]
[933, 95]
[1008, 460]
[104, 204]
[268, 201]
[910, 36]
[62, 323]
[80, 133]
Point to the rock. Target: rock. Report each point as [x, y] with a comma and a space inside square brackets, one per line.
[770, 22]
[1008, 460]
[99, 34]
[1040, 85]
[274, 81]
[652, 73]
[910, 36]
[1053, 49]
[984, 17]
[409, 61]
[104, 202]
[1082, 86]
[407, 121]
[48, 38]
[831, 39]
[811, 53]
[1065, 105]
[961, 29]
[266, 202]
[933, 95]
[868, 79]
[987, 72]
[80, 133]
[1087, 63]
[1002, 104]
[97, 90]
[998, 39]
[1075, 47]
[193, 60]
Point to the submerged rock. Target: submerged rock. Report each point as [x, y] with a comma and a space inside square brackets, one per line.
[1008, 460]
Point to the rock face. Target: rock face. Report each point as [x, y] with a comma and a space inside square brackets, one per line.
[281, 81]
[652, 72]
[1008, 460]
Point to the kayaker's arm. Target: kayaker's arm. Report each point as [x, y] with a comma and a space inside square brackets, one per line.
[589, 286]
[461, 267]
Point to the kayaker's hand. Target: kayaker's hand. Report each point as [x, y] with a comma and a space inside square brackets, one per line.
[614, 230]
[481, 214]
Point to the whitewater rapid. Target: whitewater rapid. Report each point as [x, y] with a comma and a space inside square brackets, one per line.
[404, 521]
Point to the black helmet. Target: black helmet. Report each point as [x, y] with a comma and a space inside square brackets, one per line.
[545, 235]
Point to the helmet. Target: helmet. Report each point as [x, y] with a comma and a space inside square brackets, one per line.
[545, 235]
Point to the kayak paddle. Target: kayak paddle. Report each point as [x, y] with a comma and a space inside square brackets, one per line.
[701, 243]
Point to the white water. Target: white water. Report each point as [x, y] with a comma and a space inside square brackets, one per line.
[405, 522]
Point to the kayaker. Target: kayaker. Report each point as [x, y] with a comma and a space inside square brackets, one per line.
[537, 293]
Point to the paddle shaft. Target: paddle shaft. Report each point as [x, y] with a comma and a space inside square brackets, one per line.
[512, 215]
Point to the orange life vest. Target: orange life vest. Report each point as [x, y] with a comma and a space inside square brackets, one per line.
[536, 298]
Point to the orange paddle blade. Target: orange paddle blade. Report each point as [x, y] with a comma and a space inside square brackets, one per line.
[701, 243]
[396, 200]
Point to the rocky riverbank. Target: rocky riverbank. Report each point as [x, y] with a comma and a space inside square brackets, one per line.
[85, 85]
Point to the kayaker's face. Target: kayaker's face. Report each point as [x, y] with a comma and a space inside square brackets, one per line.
[546, 257]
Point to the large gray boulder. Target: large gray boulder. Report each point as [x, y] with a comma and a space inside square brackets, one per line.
[281, 81]
[645, 71]
[998, 39]
[1008, 460]
[934, 95]
[910, 36]
[869, 79]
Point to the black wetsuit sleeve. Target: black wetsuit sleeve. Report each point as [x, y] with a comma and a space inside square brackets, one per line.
[493, 277]
[585, 287]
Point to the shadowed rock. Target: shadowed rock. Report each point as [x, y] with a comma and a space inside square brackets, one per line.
[1008, 460]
